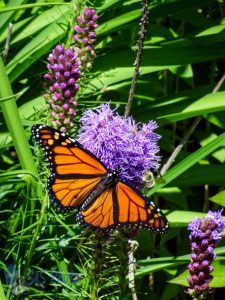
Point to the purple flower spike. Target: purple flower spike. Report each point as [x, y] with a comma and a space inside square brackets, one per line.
[205, 233]
[85, 36]
[120, 142]
[63, 73]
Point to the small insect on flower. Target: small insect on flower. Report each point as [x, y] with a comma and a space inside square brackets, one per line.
[205, 233]
[78, 179]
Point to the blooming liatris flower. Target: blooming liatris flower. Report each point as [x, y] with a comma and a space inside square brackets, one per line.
[205, 233]
[85, 36]
[120, 142]
[61, 81]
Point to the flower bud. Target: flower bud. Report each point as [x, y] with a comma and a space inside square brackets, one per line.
[202, 236]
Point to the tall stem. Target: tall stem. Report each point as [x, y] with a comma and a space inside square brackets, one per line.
[13, 122]
[133, 245]
[123, 260]
[140, 46]
[97, 265]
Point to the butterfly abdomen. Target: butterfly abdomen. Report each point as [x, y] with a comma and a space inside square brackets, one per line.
[107, 181]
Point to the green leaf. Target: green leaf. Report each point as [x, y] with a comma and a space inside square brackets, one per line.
[154, 267]
[210, 103]
[212, 34]
[14, 7]
[200, 175]
[17, 28]
[180, 218]
[173, 7]
[7, 16]
[188, 162]
[43, 20]
[217, 119]
[170, 292]
[37, 47]
[161, 263]
[181, 258]
[192, 16]
[109, 4]
[114, 23]
[117, 66]
[174, 195]
[219, 198]
[2, 294]
[170, 105]
[219, 155]
[184, 72]
[218, 276]
[5, 140]
[29, 108]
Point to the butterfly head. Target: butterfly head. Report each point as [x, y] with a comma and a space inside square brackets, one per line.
[116, 173]
[112, 177]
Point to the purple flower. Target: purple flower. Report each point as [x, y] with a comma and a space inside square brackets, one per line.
[85, 36]
[63, 72]
[205, 233]
[120, 142]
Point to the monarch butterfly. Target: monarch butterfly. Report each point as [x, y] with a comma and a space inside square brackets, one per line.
[80, 180]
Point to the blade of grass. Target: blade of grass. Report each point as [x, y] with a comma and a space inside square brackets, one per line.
[6, 17]
[43, 20]
[38, 46]
[153, 265]
[210, 103]
[36, 234]
[30, 5]
[2, 294]
[187, 163]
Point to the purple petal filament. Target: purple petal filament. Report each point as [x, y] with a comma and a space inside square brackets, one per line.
[120, 142]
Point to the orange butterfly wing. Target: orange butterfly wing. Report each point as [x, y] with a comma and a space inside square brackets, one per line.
[75, 172]
[123, 206]
[99, 215]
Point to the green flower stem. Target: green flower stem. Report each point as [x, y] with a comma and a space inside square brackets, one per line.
[13, 122]
[98, 258]
[123, 260]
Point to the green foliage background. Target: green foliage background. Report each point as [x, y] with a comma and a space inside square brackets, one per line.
[182, 64]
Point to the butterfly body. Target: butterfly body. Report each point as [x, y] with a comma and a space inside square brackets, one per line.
[79, 180]
[106, 182]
